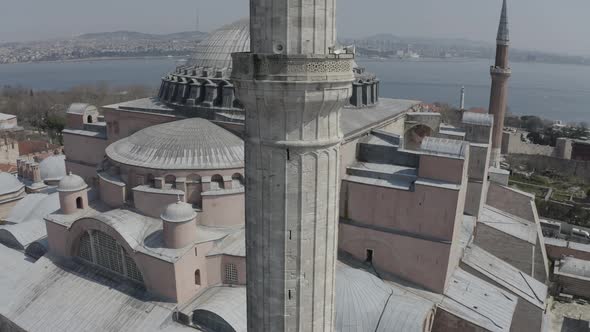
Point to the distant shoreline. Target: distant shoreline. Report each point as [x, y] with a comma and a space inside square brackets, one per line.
[155, 57]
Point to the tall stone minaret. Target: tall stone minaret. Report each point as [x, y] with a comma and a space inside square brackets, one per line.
[500, 73]
[293, 85]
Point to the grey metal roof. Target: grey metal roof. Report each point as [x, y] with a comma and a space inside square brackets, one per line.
[575, 267]
[33, 207]
[444, 147]
[521, 284]
[509, 224]
[14, 266]
[187, 144]
[143, 105]
[227, 302]
[232, 245]
[77, 298]
[363, 303]
[355, 120]
[19, 236]
[9, 184]
[215, 50]
[478, 118]
[81, 108]
[503, 32]
[366, 303]
[479, 302]
[53, 167]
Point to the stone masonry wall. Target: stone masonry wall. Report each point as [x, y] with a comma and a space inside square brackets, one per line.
[564, 167]
[512, 144]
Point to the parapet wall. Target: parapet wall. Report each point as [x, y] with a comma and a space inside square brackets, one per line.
[513, 144]
[564, 167]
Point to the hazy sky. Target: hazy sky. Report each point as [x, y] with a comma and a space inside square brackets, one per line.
[561, 26]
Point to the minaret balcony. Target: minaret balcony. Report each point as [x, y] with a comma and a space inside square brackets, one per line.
[500, 71]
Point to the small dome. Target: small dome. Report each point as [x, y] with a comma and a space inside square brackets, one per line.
[178, 212]
[9, 183]
[53, 168]
[71, 182]
[191, 144]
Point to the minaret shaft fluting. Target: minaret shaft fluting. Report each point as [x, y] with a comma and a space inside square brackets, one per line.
[293, 85]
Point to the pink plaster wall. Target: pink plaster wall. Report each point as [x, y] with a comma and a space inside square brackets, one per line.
[122, 124]
[556, 253]
[112, 194]
[83, 149]
[67, 200]
[86, 172]
[427, 210]
[57, 236]
[185, 269]
[158, 275]
[216, 268]
[74, 121]
[441, 168]
[422, 262]
[179, 235]
[153, 204]
[513, 202]
[223, 210]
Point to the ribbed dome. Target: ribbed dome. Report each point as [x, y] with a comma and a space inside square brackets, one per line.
[71, 182]
[190, 144]
[178, 212]
[215, 51]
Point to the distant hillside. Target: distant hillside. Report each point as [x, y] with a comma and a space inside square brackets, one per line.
[133, 35]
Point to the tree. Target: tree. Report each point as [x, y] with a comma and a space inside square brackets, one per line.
[532, 123]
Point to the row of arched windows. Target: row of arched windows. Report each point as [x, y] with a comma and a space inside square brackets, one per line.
[217, 181]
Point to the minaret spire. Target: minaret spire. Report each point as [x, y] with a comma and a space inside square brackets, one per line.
[503, 31]
[500, 72]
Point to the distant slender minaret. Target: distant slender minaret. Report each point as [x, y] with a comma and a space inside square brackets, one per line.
[293, 85]
[500, 73]
[462, 100]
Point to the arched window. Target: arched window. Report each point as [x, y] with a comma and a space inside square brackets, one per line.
[170, 181]
[198, 277]
[231, 273]
[217, 182]
[150, 180]
[101, 249]
[89, 119]
[79, 203]
[237, 180]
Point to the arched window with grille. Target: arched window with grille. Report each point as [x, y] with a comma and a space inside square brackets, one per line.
[101, 249]
[231, 273]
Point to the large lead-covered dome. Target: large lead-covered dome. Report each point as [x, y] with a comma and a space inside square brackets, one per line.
[215, 51]
[191, 144]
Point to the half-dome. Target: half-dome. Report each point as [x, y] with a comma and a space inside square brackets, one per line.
[192, 144]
